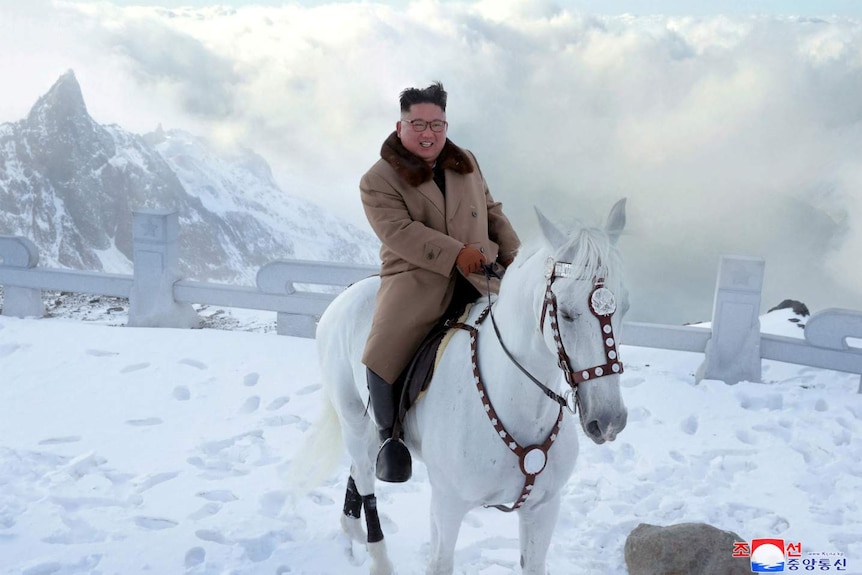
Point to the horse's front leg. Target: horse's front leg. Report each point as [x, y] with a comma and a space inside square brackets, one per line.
[537, 522]
[447, 513]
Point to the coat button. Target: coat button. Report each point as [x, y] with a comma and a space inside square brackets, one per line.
[481, 250]
[475, 214]
[429, 256]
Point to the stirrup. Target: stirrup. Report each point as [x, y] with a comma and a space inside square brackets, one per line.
[394, 464]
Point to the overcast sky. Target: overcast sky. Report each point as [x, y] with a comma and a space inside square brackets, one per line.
[640, 7]
[733, 129]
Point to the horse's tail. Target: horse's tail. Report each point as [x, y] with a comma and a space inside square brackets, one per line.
[319, 455]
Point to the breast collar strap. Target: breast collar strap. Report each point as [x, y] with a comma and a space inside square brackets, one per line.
[532, 459]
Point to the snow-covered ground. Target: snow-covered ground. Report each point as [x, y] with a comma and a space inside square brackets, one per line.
[133, 450]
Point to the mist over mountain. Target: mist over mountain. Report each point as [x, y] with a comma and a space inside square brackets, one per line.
[70, 185]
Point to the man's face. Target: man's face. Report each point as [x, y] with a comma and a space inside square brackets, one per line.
[426, 144]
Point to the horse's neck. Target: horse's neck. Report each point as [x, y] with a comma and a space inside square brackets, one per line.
[515, 397]
[523, 339]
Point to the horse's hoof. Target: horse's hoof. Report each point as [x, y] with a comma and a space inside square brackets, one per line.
[394, 464]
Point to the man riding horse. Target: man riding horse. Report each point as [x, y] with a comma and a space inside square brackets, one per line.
[428, 203]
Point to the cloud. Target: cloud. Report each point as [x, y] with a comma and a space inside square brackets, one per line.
[728, 135]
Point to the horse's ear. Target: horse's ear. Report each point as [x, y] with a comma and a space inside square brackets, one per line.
[552, 233]
[616, 220]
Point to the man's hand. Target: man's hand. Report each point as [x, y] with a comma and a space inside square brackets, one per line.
[469, 260]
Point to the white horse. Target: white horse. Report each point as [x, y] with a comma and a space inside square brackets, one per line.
[488, 435]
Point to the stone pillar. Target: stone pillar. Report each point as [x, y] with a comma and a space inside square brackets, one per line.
[277, 278]
[20, 252]
[155, 238]
[733, 351]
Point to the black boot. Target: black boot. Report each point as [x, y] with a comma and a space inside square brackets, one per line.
[393, 460]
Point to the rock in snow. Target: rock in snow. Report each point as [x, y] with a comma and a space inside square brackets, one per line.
[682, 549]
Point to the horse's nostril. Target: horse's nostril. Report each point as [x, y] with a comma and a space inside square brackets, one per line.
[593, 429]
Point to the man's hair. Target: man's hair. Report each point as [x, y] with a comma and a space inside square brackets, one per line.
[433, 94]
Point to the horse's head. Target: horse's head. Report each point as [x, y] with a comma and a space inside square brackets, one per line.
[579, 310]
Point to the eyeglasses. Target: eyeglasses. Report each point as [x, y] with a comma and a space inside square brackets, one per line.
[420, 125]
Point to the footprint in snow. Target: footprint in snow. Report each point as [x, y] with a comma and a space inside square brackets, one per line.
[76, 531]
[8, 349]
[272, 503]
[251, 379]
[211, 535]
[846, 424]
[60, 440]
[261, 548]
[842, 438]
[85, 565]
[689, 425]
[282, 420]
[771, 401]
[856, 410]
[150, 481]
[79, 467]
[631, 381]
[154, 523]
[744, 436]
[195, 556]
[208, 510]
[233, 456]
[146, 422]
[220, 495]
[278, 403]
[101, 353]
[638, 414]
[193, 363]
[250, 405]
[135, 367]
[181, 393]
[320, 499]
[308, 389]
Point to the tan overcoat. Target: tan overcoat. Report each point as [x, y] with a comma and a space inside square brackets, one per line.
[421, 233]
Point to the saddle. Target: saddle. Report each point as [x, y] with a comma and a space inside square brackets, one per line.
[416, 378]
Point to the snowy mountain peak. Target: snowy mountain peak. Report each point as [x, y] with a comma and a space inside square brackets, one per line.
[63, 103]
[70, 185]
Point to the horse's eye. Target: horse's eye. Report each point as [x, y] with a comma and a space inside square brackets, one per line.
[568, 316]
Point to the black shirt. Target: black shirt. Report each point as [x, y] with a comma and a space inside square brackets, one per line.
[440, 178]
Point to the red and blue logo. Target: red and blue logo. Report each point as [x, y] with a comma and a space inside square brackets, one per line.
[768, 555]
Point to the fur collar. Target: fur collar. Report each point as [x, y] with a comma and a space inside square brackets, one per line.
[415, 171]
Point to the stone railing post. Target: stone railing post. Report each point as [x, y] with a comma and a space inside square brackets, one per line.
[276, 278]
[280, 277]
[20, 301]
[155, 239]
[830, 329]
[733, 351]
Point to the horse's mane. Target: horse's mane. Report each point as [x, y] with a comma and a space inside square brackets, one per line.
[588, 249]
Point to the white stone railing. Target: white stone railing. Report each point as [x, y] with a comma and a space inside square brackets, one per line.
[733, 346]
[157, 295]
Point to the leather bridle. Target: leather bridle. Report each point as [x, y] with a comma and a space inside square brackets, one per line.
[602, 304]
[534, 458]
